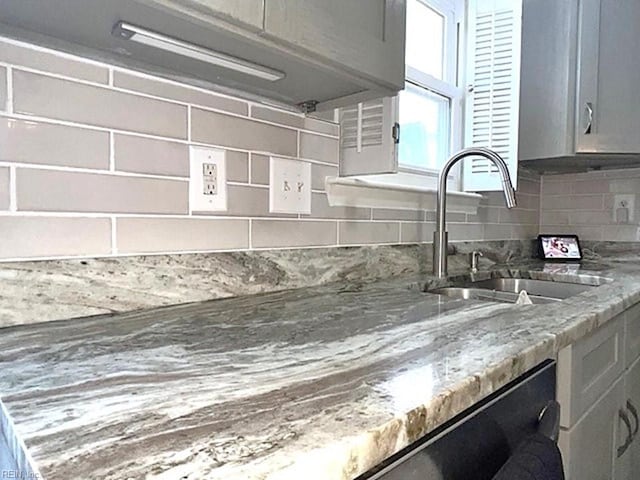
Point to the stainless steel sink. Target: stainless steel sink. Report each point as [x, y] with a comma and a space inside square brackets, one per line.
[508, 289]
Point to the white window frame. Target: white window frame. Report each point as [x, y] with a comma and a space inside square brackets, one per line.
[453, 13]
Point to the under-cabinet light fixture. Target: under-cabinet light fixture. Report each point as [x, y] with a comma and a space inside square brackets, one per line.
[173, 45]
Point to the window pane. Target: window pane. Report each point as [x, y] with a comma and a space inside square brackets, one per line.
[425, 39]
[424, 128]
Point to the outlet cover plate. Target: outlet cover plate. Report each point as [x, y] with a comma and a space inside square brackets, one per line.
[622, 202]
[289, 186]
[207, 165]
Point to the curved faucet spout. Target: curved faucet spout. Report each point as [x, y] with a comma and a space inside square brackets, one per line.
[440, 240]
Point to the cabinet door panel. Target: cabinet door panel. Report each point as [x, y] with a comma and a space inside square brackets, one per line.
[364, 35]
[608, 76]
[588, 368]
[589, 448]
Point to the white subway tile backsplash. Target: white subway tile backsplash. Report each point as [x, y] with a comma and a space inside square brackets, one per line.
[465, 231]
[320, 209]
[26, 237]
[316, 147]
[26, 141]
[260, 169]
[77, 102]
[49, 61]
[4, 188]
[101, 150]
[391, 214]
[497, 232]
[284, 233]
[519, 216]
[586, 217]
[321, 126]
[59, 191]
[417, 232]
[247, 201]
[228, 131]
[555, 217]
[590, 214]
[361, 233]
[620, 233]
[624, 185]
[149, 155]
[276, 116]
[572, 202]
[590, 186]
[553, 188]
[237, 166]
[319, 173]
[179, 93]
[149, 235]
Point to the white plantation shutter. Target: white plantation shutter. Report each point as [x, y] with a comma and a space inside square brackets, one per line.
[493, 89]
[368, 137]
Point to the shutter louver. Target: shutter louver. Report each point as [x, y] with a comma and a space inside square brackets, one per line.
[367, 145]
[493, 94]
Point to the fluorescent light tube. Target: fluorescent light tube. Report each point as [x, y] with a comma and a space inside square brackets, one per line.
[169, 44]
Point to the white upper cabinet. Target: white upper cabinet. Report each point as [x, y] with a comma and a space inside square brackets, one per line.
[247, 13]
[608, 77]
[579, 78]
[364, 36]
[318, 54]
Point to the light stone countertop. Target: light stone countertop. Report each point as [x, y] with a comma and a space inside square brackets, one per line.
[316, 383]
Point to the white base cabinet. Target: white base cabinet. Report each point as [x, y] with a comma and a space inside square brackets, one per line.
[599, 392]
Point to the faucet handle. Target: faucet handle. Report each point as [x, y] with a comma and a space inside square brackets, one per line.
[475, 255]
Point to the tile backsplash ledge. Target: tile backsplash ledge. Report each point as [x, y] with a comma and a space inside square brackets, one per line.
[94, 162]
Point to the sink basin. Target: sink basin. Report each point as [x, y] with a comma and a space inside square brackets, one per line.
[508, 289]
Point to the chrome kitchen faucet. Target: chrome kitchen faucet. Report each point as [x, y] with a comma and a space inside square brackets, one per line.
[440, 236]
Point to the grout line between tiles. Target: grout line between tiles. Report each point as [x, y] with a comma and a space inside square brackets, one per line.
[9, 102]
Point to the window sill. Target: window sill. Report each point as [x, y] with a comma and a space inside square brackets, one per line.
[359, 192]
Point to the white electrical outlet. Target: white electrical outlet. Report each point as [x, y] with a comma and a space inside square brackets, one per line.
[624, 208]
[289, 186]
[208, 180]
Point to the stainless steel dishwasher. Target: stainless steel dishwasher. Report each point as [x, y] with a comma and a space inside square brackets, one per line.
[475, 444]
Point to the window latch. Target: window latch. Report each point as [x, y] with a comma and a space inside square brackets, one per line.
[395, 132]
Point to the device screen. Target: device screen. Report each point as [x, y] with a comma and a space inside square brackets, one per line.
[560, 247]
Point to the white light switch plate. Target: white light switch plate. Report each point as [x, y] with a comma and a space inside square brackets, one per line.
[207, 180]
[289, 186]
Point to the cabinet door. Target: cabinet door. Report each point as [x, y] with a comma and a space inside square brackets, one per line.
[364, 36]
[248, 13]
[631, 463]
[608, 105]
[588, 368]
[589, 449]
